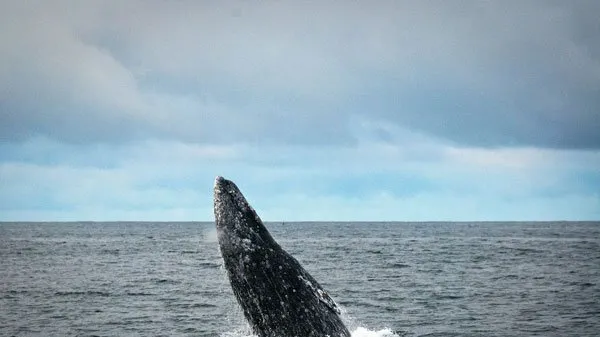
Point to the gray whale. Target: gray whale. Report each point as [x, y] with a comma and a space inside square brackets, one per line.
[278, 297]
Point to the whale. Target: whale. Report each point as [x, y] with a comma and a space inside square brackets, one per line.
[278, 297]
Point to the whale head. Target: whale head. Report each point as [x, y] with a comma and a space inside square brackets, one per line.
[239, 228]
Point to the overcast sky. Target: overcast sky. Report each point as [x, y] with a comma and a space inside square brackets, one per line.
[333, 110]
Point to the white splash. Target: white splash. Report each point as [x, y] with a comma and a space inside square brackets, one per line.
[237, 333]
[364, 332]
[358, 332]
[210, 235]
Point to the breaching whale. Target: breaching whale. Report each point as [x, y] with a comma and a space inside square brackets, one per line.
[278, 297]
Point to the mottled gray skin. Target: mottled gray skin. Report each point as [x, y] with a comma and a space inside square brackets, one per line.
[278, 297]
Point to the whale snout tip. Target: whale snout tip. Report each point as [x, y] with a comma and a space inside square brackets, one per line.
[220, 181]
[219, 184]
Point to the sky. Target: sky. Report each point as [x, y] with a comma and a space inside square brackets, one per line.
[319, 111]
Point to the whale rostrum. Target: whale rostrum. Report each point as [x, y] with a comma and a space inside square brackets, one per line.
[278, 297]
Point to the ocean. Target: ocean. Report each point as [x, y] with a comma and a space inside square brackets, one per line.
[391, 278]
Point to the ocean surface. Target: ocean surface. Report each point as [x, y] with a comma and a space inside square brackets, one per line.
[404, 279]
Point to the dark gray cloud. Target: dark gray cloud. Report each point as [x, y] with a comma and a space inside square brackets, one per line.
[510, 73]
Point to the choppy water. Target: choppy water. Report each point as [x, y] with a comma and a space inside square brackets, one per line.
[417, 279]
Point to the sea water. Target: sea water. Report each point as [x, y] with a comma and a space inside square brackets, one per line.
[391, 279]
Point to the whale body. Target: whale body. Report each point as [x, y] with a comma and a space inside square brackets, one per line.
[278, 297]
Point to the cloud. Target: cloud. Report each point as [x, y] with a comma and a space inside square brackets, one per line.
[478, 74]
[399, 110]
[173, 181]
